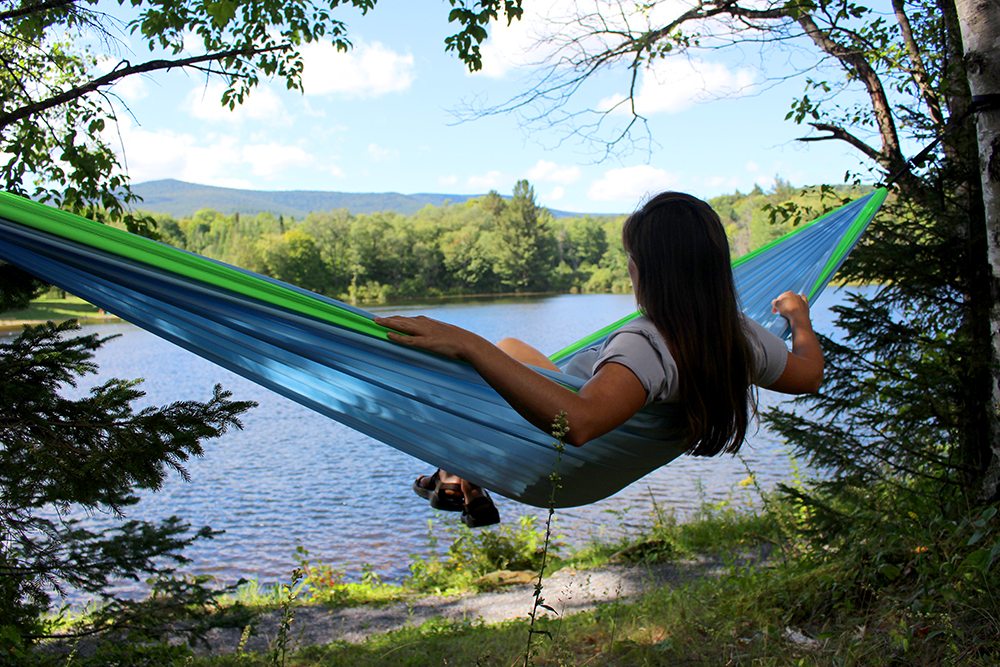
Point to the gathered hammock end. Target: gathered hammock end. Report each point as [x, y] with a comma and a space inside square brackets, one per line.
[331, 357]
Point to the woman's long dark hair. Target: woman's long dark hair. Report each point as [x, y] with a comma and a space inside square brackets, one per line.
[684, 285]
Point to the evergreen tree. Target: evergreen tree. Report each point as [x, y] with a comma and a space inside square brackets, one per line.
[61, 458]
[526, 246]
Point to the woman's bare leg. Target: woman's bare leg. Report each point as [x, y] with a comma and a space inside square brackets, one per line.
[526, 354]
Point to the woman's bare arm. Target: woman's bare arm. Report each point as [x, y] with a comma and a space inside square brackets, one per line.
[803, 372]
[605, 402]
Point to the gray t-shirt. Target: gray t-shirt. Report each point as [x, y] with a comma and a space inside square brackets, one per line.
[640, 347]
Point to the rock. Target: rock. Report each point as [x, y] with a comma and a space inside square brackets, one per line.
[502, 578]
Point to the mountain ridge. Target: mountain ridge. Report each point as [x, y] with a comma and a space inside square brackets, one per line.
[181, 199]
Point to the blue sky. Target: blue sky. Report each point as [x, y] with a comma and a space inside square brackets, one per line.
[381, 118]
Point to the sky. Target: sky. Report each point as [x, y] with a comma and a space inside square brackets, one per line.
[387, 116]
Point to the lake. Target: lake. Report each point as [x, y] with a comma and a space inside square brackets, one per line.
[293, 478]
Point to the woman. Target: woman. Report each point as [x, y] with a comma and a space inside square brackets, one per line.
[692, 346]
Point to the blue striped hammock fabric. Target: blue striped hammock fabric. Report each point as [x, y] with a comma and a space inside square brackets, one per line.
[330, 357]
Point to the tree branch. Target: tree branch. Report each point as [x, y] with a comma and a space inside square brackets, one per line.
[122, 72]
[890, 157]
[28, 10]
[918, 70]
[843, 135]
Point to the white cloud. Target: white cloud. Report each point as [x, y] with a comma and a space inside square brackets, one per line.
[131, 88]
[556, 194]
[752, 167]
[765, 182]
[448, 181]
[673, 84]
[491, 180]
[508, 47]
[550, 172]
[367, 70]
[630, 185]
[222, 160]
[272, 159]
[193, 43]
[380, 153]
[167, 154]
[204, 102]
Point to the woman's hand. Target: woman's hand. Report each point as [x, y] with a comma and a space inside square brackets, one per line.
[804, 368]
[793, 307]
[432, 335]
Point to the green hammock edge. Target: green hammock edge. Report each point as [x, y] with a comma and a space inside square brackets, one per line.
[848, 240]
[72, 227]
[843, 247]
[146, 251]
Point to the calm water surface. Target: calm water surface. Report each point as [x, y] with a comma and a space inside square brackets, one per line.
[292, 477]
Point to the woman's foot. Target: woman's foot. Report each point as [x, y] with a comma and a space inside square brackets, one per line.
[451, 493]
[479, 509]
[443, 495]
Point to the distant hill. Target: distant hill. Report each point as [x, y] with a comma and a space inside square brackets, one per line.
[180, 199]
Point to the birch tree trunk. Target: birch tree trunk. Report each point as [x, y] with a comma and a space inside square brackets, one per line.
[980, 25]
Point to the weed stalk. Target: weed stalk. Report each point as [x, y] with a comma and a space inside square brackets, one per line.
[560, 427]
[287, 615]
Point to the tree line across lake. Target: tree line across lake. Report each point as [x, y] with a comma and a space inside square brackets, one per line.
[488, 245]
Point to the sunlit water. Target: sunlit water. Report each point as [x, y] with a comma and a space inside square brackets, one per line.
[294, 478]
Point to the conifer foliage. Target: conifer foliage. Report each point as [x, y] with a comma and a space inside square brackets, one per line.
[63, 457]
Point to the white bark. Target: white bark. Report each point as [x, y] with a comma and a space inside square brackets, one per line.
[980, 25]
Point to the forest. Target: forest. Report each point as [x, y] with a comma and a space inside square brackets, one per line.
[488, 245]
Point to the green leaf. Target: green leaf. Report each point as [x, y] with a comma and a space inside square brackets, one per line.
[889, 571]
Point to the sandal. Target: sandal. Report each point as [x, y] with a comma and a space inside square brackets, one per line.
[444, 496]
[480, 511]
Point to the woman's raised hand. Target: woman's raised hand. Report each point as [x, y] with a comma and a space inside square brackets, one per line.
[430, 334]
[804, 368]
[793, 307]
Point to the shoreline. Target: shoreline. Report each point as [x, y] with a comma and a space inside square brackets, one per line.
[9, 326]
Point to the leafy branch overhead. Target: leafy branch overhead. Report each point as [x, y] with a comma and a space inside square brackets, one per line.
[61, 58]
[466, 42]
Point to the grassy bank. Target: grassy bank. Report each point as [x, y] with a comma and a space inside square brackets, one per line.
[785, 613]
[921, 596]
[56, 310]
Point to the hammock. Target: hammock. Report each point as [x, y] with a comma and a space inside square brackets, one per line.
[334, 359]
